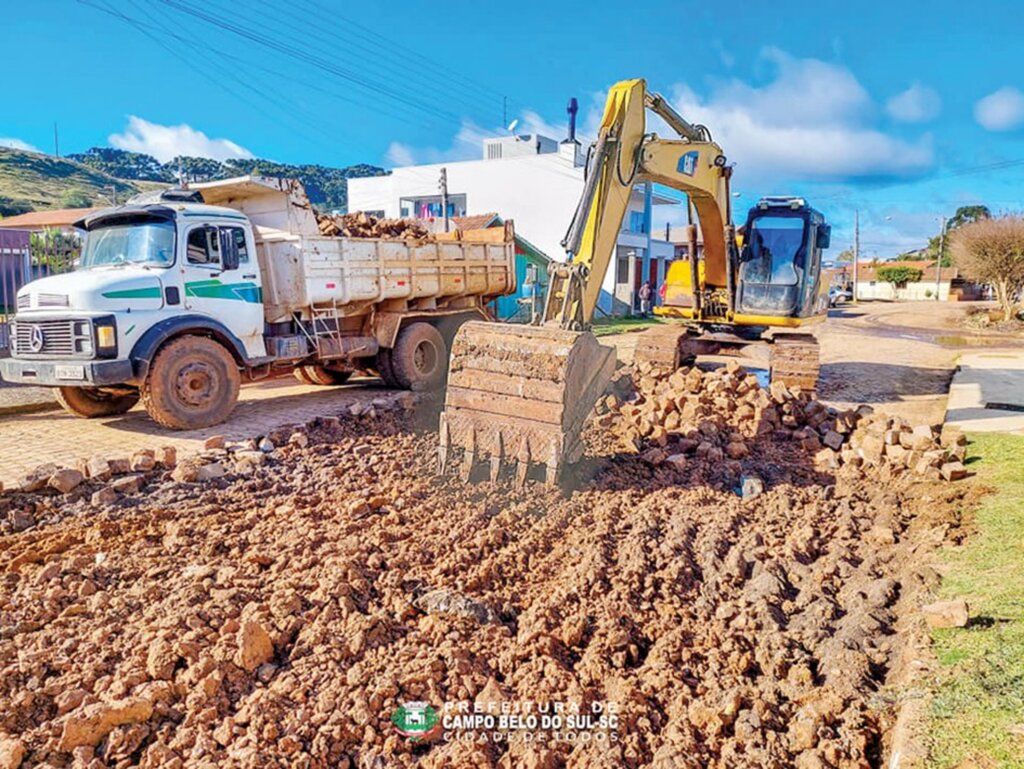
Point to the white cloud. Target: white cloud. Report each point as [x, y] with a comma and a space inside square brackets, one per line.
[167, 142]
[399, 155]
[17, 144]
[1001, 110]
[915, 105]
[810, 122]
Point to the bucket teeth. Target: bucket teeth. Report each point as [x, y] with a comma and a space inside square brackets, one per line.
[469, 458]
[522, 463]
[444, 446]
[497, 456]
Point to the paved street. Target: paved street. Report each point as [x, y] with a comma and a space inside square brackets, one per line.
[28, 440]
[897, 357]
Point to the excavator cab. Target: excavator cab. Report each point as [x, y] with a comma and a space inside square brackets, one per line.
[779, 271]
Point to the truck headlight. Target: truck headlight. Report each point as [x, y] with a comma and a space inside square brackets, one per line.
[106, 337]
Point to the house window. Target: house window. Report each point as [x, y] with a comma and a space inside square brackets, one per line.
[622, 270]
[637, 222]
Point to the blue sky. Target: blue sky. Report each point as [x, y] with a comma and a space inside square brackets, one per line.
[883, 107]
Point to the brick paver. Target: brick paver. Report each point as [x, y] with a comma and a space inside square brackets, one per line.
[28, 440]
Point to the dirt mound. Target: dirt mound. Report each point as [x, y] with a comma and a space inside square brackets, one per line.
[280, 613]
[726, 421]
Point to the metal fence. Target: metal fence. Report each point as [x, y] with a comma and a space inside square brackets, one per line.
[15, 272]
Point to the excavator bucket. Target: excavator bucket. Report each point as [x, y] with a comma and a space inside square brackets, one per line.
[519, 395]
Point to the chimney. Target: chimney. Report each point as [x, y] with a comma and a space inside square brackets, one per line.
[572, 109]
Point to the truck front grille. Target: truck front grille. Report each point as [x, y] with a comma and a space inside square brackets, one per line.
[53, 338]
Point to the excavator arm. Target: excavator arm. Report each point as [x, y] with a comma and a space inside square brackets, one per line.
[623, 156]
[519, 395]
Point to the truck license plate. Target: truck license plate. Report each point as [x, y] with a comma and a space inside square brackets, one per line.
[69, 372]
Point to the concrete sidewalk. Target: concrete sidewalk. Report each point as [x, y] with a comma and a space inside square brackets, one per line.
[987, 393]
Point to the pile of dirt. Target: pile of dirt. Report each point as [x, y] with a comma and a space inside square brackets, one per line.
[723, 416]
[280, 615]
[363, 225]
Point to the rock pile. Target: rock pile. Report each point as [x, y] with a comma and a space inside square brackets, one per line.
[724, 416]
[49, 490]
[363, 225]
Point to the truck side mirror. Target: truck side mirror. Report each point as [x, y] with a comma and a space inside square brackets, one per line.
[824, 236]
[228, 250]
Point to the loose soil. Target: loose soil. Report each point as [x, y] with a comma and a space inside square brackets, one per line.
[278, 618]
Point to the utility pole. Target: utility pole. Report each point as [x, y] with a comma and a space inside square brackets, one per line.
[938, 261]
[443, 185]
[56, 141]
[856, 250]
[504, 110]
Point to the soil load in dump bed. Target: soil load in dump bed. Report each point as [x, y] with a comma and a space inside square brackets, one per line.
[280, 613]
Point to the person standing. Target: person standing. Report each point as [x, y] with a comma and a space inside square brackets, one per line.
[645, 294]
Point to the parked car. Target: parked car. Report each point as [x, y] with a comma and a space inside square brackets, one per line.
[837, 295]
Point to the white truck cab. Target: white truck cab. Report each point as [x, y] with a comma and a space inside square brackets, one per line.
[173, 300]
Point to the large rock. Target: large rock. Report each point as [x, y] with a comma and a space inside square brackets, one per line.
[91, 723]
[942, 614]
[254, 646]
[65, 480]
[12, 753]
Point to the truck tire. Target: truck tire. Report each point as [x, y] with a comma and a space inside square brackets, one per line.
[193, 382]
[321, 375]
[420, 357]
[92, 402]
[386, 368]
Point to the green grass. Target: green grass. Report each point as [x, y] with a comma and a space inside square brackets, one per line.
[979, 695]
[605, 326]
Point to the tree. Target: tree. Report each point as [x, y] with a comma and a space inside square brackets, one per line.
[898, 274]
[74, 198]
[963, 215]
[845, 256]
[992, 251]
[13, 206]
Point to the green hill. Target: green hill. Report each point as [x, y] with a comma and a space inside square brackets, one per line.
[326, 186]
[34, 181]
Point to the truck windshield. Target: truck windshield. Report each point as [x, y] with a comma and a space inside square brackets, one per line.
[139, 243]
[776, 250]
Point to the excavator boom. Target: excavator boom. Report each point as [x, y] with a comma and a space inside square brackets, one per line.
[520, 394]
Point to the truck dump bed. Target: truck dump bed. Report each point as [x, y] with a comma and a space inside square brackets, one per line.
[304, 270]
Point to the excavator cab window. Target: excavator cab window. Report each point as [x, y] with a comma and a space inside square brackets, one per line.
[773, 264]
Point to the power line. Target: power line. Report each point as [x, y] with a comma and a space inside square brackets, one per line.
[298, 54]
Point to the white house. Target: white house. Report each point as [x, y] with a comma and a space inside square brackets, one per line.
[536, 182]
[947, 284]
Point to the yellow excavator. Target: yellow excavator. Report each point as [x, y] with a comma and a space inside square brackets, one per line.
[519, 395]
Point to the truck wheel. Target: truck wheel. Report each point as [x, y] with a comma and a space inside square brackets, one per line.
[321, 375]
[386, 368]
[420, 357]
[91, 402]
[193, 382]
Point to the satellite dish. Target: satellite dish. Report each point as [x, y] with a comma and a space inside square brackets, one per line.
[512, 125]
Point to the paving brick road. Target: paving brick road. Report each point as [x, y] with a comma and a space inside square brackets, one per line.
[28, 440]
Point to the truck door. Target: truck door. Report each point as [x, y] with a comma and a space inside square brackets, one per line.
[230, 295]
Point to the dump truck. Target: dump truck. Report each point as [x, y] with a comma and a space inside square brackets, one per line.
[181, 294]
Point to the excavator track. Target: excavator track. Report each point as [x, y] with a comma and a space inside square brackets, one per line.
[795, 361]
[518, 396]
